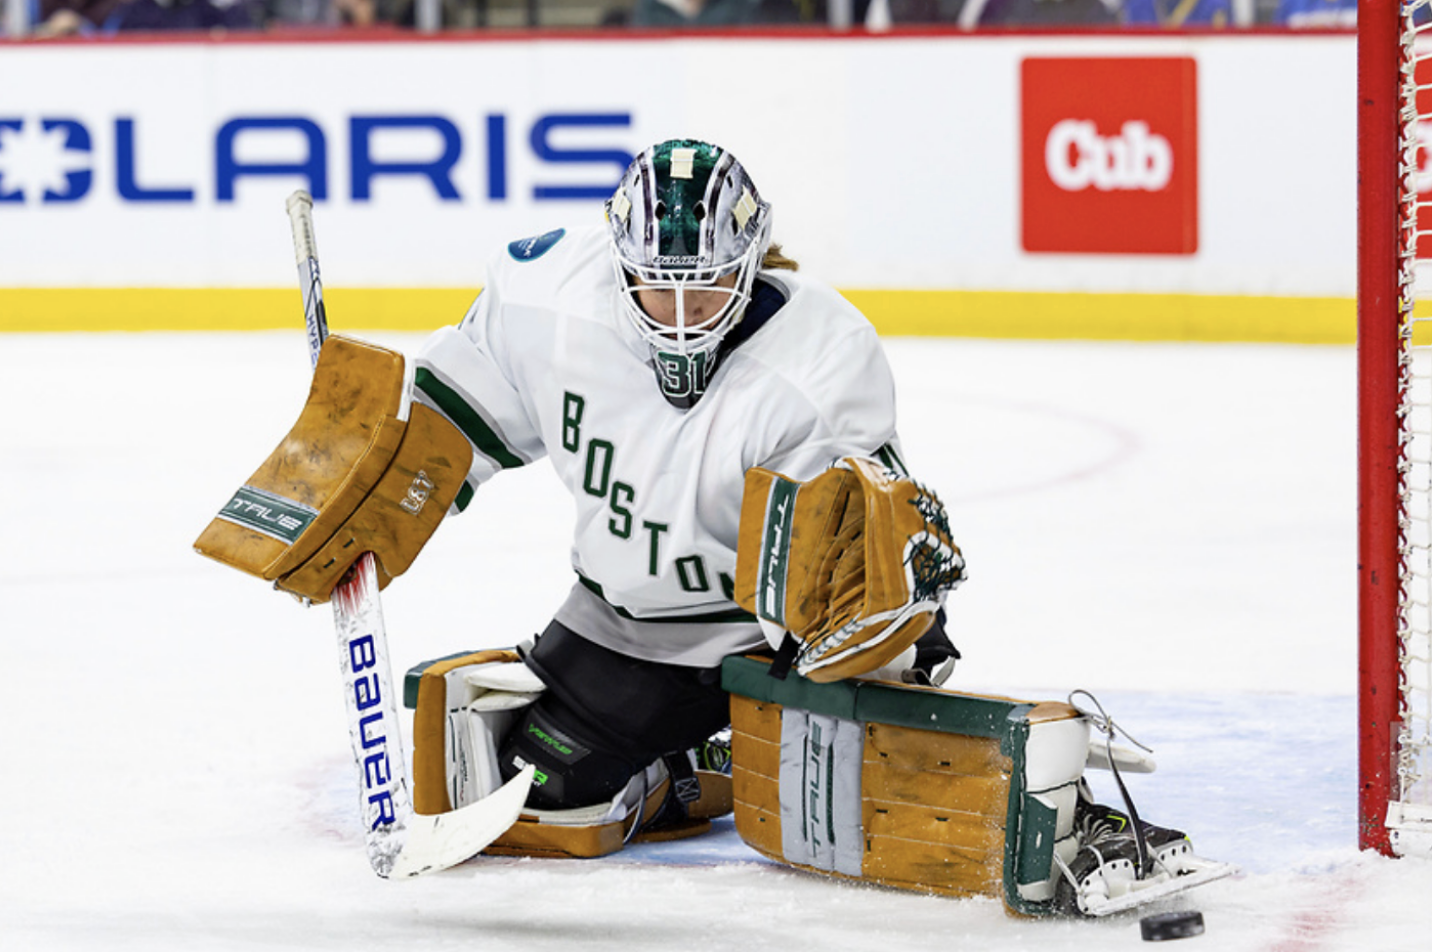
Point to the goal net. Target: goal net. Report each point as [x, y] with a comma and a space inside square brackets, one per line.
[1395, 425]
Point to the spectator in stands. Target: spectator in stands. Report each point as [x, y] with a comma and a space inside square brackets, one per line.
[1305, 14]
[679, 13]
[164, 15]
[323, 12]
[1177, 13]
[71, 17]
[1039, 13]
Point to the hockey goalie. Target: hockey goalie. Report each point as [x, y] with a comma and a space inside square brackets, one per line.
[751, 560]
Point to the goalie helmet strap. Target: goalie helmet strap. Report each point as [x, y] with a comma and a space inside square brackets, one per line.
[934, 648]
[785, 657]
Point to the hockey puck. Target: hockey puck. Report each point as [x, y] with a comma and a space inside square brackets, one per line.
[1171, 925]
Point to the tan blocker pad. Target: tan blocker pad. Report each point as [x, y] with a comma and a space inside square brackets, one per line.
[912, 787]
[464, 705]
[350, 477]
[854, 563]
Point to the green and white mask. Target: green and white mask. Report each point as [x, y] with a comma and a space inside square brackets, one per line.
[686, 218]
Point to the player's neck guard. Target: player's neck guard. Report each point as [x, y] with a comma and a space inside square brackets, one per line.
[684, 377]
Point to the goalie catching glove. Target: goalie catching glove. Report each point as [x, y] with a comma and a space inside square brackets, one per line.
[854, 564]
[350, 477]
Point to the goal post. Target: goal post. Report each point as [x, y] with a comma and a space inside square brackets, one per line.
[1394, 432]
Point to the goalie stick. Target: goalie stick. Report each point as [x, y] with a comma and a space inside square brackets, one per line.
[400, 842]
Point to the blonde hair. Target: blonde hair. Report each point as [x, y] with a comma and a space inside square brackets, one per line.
[775, 259]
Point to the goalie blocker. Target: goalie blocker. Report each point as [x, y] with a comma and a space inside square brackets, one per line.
[350, 477]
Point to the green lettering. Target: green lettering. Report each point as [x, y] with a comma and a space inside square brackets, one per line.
[549, 740]
[656, 529]
[599, 467]
[691, 573]
[626, 495]
[572, 408]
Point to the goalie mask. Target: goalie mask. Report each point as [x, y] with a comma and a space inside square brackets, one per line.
[688, 232]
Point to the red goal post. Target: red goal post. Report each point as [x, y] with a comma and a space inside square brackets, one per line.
[1394, 432]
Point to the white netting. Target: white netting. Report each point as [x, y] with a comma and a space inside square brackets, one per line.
[1414, 755]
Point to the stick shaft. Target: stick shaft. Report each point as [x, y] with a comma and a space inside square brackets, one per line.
[373, 726]
[310, 282]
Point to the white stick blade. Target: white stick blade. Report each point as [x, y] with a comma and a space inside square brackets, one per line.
[437, 842]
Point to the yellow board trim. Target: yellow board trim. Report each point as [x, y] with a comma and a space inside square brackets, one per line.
[1148, 317]
[40, 310]
[996, 314]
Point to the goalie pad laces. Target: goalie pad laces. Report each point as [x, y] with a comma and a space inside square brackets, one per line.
[935, 569]
[1105, 725]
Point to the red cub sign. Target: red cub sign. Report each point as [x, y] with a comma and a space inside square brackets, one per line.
[1110, 155]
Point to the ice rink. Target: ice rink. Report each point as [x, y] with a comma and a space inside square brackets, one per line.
[1171, 527]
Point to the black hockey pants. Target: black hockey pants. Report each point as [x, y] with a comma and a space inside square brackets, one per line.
[604, 717]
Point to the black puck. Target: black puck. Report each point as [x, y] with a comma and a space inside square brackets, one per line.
[1171, 925]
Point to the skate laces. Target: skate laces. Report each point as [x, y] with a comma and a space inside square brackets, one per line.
[1104, 724]
[714, 754]
[1095, 829]
[1101, 826]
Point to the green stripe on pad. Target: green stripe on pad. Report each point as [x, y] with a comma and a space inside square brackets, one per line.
[774, 566]
[868, 701]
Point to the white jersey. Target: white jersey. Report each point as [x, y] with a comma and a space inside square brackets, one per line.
[546, 364]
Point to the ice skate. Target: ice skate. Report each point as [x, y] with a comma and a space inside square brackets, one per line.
[1117, 868]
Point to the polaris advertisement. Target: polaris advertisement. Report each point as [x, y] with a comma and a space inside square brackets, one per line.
[1192, 164]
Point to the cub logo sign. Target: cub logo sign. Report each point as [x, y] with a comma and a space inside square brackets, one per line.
[1110, 155]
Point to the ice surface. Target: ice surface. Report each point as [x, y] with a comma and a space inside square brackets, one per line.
[1171, 527]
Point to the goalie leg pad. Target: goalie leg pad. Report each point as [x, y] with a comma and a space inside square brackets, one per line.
[911, 787]
[462, 705]
[468, 705]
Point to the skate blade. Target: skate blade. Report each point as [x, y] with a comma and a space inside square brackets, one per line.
[1143, 892]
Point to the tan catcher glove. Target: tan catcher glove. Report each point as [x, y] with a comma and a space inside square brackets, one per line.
[350, 477]
[854, 563]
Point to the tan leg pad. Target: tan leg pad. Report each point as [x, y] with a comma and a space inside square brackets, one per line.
[454, 764]
[916, 788]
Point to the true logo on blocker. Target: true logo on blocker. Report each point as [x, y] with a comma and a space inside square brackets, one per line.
[1109, 155]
